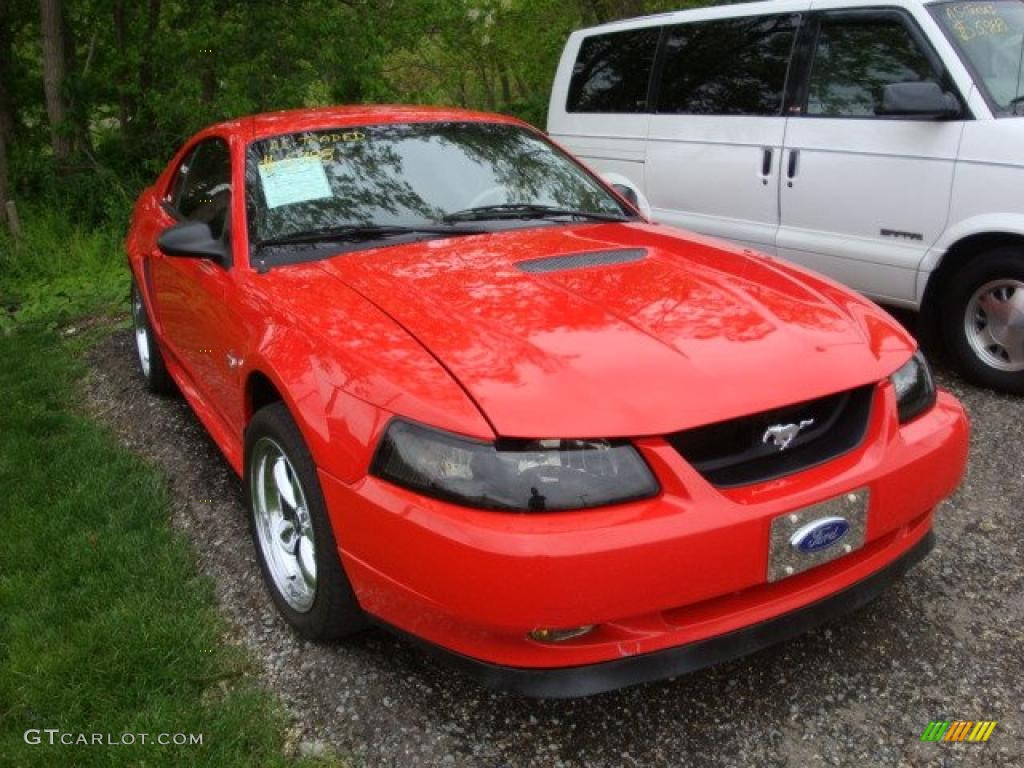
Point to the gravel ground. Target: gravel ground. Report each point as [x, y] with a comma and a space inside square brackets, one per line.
[945, 643]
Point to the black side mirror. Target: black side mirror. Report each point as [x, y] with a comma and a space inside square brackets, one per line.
[923, 100]
[627, 192]
[193, 240]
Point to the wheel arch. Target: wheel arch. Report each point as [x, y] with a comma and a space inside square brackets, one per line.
[958, 254]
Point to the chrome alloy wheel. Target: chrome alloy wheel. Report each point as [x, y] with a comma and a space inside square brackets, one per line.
[994, 324]
[141, 331]
[283, 526]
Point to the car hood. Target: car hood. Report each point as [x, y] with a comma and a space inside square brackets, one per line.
[655, 332]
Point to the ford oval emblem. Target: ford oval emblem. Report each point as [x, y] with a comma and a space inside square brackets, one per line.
[820, 534]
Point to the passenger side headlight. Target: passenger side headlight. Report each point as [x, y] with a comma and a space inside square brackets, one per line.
[915, 390]
[516, 475]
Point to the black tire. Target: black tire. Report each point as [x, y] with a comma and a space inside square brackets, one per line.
[334, 612]
[1004, 264]
[152, 366]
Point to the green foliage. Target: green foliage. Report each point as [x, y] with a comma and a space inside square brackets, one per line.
[143, 76]
[59, 270]
[104, 625]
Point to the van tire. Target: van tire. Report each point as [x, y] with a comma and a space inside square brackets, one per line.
[974, 339]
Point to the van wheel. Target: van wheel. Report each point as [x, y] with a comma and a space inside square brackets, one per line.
[295, 545]
[147, 349]
[983, 319]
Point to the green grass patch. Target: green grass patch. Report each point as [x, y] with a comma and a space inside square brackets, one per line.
[105, 626]
[58, 270]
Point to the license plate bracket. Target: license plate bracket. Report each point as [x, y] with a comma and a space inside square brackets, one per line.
[820, 533]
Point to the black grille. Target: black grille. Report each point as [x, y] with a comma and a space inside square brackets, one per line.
[740, 451]
[582, 260]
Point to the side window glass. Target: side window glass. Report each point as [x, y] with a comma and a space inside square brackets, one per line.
[727, 66]
[205, 190]
[855, 59]
[612, 72]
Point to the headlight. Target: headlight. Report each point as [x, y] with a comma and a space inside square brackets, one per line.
[520, 475]
[915, 390]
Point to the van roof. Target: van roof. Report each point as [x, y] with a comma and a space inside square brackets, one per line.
[730, 10]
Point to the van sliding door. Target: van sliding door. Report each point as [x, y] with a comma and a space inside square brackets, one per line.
[715, 139]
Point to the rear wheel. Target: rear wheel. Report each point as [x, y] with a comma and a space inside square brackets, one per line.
[983, 319]
[294, 542]
[147, 349]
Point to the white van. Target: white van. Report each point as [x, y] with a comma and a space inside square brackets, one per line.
[876, 141]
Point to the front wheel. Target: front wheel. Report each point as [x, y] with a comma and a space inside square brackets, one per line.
[983, 319]
[294, 542]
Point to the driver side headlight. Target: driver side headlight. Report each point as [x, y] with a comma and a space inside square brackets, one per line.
[515, 475]
[915, 390]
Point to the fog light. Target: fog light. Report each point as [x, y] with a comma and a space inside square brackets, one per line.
[560, 635]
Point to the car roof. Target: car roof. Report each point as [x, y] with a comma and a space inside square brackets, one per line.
[267, 124]
[732, 10]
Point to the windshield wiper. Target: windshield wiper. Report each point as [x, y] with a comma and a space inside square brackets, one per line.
[527, 211]
[1015, 106]
[358, 232]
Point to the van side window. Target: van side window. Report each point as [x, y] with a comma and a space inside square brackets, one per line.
[612, 72]
[727, 66]
[854, 59]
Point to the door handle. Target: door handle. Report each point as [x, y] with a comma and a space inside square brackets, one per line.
[766, 164]
[794, 159]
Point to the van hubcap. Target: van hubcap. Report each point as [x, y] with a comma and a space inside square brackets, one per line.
[994, 324]
[283, 525]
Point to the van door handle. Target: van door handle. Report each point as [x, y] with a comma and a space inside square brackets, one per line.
[766, 164]
[794, 158]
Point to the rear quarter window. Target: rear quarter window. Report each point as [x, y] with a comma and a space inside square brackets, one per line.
[612, 72]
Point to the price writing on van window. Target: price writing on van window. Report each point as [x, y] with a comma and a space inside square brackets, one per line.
[971, 20]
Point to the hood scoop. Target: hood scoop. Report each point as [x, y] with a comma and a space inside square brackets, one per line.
[582, 260]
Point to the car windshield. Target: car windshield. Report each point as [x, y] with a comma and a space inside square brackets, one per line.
[990, 38]
[383, 180]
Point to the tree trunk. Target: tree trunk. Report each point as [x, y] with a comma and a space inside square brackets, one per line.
[6, 105]
[4, 191]
[6, 72]
[51, 17]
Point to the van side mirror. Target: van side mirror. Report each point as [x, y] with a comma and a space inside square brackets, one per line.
[193, 240]
[922, 100]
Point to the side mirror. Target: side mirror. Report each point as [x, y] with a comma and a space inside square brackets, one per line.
[629, 191]
[923, 100]
[193, 240]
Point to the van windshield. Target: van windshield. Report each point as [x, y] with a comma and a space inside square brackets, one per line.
[990, 39]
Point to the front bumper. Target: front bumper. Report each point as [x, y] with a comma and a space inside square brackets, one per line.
[671, 572]
[571, 682]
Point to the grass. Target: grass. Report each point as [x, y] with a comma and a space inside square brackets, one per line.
[105, 625]
[57, 270]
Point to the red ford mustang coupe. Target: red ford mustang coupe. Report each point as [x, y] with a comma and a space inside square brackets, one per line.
[476, 398]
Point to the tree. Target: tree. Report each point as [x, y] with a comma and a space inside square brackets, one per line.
[51, 14]
[6, 104]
